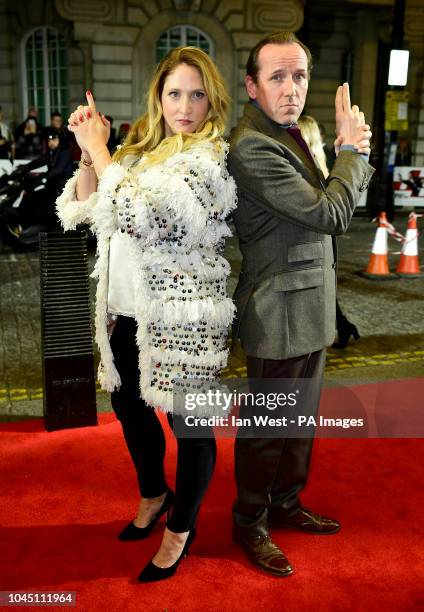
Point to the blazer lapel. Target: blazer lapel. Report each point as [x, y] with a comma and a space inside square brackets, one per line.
[265, 125]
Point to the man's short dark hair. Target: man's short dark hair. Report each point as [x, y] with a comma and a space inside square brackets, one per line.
[277, 38]
[55, 114]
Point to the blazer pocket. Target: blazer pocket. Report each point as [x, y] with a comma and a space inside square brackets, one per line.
[304, 252]
[299, 279]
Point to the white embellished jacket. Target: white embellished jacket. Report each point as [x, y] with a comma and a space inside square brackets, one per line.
[175, 213]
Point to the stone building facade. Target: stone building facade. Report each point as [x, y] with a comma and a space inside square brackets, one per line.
[111, 47]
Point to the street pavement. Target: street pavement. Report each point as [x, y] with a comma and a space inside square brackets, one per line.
[389, 316]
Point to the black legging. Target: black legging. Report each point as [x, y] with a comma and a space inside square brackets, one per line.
[145, 439]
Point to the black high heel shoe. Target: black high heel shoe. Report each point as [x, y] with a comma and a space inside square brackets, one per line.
[132, 532]
[344, 332]
[153, 573]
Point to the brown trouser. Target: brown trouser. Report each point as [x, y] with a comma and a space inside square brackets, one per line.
[272, 471]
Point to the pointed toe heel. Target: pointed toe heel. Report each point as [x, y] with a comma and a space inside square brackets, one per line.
[153, 573]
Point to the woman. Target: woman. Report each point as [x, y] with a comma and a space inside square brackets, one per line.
[29, 140]
[158, 208]
[311, 133]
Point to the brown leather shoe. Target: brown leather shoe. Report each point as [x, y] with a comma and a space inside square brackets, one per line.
[303, 519]
[260, 549]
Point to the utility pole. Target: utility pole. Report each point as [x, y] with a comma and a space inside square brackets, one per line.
[391, 135]
[385, 140]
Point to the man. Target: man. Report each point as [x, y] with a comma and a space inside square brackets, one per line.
[286, 221]
[58, 161]
[38, 207]
[56, 124]
[56, 121]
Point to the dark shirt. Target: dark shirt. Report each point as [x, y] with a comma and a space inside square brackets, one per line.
[59, 164]
[29, 146]
[21, 127]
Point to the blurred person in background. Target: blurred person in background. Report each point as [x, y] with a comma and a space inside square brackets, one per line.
[403, 154]
[113, 139]
[124, 128]
[32, 114]
[58, 161]
[29, 140]
[330, 154]
[311, 133]
[56, 122]
[39, 206]
[6, 139]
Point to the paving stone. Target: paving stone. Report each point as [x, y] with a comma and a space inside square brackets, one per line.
[389, 316]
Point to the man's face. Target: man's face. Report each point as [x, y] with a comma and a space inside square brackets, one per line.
[282, 82]
[56, 122]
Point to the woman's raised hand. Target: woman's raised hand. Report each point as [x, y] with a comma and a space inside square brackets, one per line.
[91, 128]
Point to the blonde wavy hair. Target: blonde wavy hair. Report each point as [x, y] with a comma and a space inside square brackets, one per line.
[309, 129]
[147, 134]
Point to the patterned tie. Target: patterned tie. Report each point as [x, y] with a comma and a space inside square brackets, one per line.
[295, 133]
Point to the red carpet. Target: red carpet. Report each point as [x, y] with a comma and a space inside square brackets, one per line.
[66, 495]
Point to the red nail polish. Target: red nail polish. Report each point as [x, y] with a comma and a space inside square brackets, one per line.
[88, 92]
[88, 114]
[81, 118]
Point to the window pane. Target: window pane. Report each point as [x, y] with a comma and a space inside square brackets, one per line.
[192, 36]
[53, 99]
[47, 45]
[181, 35]
[38, 78]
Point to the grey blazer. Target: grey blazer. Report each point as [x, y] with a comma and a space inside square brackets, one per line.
[286, 221]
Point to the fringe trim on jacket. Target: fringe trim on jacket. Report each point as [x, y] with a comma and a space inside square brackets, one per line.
[193, 192]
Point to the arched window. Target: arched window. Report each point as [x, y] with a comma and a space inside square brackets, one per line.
[45, 73]
[181, 36]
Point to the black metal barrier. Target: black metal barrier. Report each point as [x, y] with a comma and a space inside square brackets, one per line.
[67, 342]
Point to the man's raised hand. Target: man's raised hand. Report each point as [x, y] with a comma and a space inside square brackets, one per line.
[350, 122]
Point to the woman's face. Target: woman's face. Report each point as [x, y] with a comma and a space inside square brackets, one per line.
[30, 127]
[185, 103]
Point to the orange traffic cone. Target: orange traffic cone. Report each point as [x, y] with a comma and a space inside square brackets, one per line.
[378, 266]
[409, 266]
